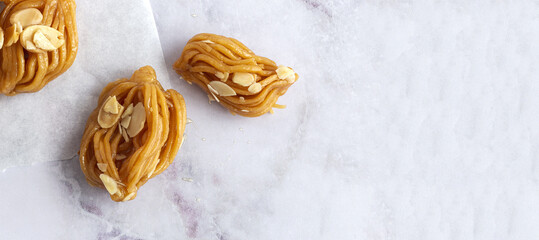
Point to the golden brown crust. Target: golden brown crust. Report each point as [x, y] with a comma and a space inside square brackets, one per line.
[23, 71]
[208, 58]
[133, 162]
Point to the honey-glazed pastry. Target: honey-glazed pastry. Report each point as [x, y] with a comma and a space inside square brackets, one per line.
[234, 76]
[38, 43]
[133, 134]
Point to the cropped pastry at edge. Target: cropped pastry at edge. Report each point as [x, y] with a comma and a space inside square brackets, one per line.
[133, 134]
[39, 42]
[234, 76]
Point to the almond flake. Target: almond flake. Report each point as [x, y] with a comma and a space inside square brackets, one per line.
[213, 97]
[222, 76]
[124, 134]
[255, 88]
[183, 138]
[243, 79]
[42, 42]
[32, 48]
[222, 89]
[111, 105]
[128, 197]
[106, 118]
[102, 167]
[285, 73]
[26, 17]
[128, 111]
[110, 183]
[212, 90]
[125, 122]
[52, 39]
[138, 118]
[12, 34]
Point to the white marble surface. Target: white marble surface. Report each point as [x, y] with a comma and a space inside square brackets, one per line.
[410, 120]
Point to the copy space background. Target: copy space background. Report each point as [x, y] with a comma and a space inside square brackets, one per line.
[410, 120]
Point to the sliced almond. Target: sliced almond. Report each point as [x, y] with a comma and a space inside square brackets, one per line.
[243, 79]
[128, 111]
[120, 157]
[26, 17]
[138, 118]
[183, 138]
[189, 121]
[242, 99]
[128, 197]
[212, 90]
[102, 167]
[124, 134]
[12, 34]
[120, 129]
[42, 42]
[222, 76]
[285, 73]
[222, 89]
[125, 122]
[105, 118]
[255, 88]
[213, 97]
[110, 183]
[19, 27]
[111, 105]
[53, 36]
[32, 48]
[1, 38]
[219, 75]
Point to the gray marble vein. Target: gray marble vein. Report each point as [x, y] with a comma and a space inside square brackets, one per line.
[410, 120]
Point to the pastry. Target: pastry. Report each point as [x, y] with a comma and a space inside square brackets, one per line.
[231, 74]
[38, 40]
[133, 134]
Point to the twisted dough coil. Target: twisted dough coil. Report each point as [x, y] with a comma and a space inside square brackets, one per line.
[23, 71]
[208, 58]
[144, 155]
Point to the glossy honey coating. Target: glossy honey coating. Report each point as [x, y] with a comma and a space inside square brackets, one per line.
[234, 76]
[29, 64]
[133, 135]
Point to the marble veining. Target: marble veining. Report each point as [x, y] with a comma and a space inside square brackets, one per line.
[410, 120]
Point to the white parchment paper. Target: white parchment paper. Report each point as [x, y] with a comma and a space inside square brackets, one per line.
[115, 38]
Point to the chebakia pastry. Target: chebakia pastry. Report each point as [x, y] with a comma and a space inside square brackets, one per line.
[133, 134]
[234, 76]
[39, 42]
